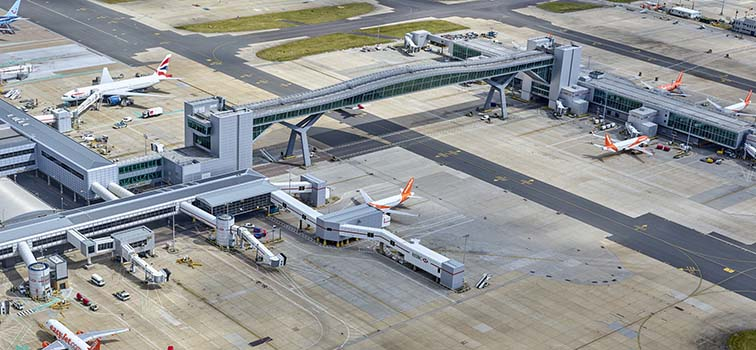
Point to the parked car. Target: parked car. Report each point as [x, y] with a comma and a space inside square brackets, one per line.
[97, 280]
[127, 119]
[18, 305]
[119, 125]
[94, 307]
[122, 295]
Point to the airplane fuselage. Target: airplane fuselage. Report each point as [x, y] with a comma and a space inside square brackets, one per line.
[628, 144]
[65, 335]
[106, 89]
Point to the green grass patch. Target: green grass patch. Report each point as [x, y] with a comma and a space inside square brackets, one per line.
[313, 46]
[566, 6]
[281, 19]
[398, 30]
[745, 340]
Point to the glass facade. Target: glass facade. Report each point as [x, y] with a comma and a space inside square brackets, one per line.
[153, 163]
[703, 130]
[200, 140]
[615, 102]
[144, 178]
[199, 127]
[462, 52]
[238, 207]
[402, 88]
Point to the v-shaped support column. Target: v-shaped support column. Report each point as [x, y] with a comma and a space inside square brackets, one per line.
[301, 129]
[497, 86]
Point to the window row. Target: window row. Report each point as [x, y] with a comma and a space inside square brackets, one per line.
[63, 165]
[17, 153]
[703, 130]
[203, 141]
[140, 178]
[16, 166]
[48, 240]
[199, 127]
[124, 221]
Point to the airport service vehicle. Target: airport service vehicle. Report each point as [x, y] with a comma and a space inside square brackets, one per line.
[18, 305]
[152, 112]
[97, 280]
[631, 144]
[10, 17]
[127, 119]
[119, 125]
[68, 340]
[19, 72]
[387, 204]
[122, 295]
[125, 87]
[94, 307]
[734, 108]
[670, 87]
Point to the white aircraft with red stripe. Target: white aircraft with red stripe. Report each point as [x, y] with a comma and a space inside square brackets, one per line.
[734, 108]
[68, 340]
[387, 204]
[125, 87]
[631, 144]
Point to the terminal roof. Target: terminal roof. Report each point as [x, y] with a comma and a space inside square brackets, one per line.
[39, 132]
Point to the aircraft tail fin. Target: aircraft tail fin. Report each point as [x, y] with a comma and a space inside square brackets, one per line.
[162, 70]
[13, 12]
[407, 191]
[748, 98]
[105, 77]
[96, 345]
[608, 141]
[365, 196]
[679, 79]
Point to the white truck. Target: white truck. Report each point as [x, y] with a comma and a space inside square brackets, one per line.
[152, 112]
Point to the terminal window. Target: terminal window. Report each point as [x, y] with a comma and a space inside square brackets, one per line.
[63, 165]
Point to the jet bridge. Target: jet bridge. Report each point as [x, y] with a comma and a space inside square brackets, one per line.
[227, 233]
[285, 201]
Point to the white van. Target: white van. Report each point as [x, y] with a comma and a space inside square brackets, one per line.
[97, 280]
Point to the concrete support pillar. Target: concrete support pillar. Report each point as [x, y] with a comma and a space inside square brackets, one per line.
[301, 129]
[498, 84]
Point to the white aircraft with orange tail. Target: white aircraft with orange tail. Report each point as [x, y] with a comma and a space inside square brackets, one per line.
[386, 205]
[673, 87]
[68, 340]
[632, 144]
[736, 108]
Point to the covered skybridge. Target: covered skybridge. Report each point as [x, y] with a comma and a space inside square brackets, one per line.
[497, 71]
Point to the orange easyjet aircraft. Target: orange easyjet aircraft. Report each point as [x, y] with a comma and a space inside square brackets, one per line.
[385, 205]
[673, 85]
[633, 144]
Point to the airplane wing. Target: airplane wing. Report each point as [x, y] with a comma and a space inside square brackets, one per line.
[105, 77]
[56, 345]
[648, 86]
[641, 149]
[89, 336]
[714, 104]
[130, 93]
[400, 213]
[365, 196]
[745, 115]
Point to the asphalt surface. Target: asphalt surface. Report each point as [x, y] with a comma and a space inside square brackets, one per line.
[706, 255]
[113, 34]
[703, 255]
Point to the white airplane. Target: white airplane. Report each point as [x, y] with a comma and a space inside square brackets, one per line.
[387, 204]
[632, 144]
[126, 87]
[733, 108]
[10, 17]
[68, 340]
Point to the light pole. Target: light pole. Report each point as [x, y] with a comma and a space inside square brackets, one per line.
[145, 143]
[464, 252]
[721, 12]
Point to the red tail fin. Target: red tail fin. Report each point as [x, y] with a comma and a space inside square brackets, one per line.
[748, 98]
[96, 345]
[408, 188]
